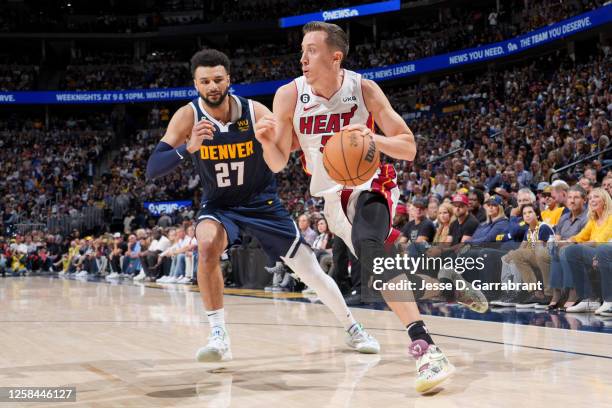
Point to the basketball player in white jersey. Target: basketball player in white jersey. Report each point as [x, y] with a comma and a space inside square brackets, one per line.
[326, 99]
[232, 203]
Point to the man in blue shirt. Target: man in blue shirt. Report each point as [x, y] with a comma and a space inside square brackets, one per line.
[493, 180]
[570, 224]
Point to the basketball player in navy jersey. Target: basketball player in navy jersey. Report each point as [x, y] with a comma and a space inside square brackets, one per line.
[326, 99]
[235, 156]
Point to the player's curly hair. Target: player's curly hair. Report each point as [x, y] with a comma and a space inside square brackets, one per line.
[209, 58]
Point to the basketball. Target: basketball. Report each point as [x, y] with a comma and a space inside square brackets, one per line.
[350, 158]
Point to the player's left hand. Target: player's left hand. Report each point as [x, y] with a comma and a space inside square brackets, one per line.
[265, 130]
[363, 129]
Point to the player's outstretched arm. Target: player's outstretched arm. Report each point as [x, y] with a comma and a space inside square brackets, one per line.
[399, 143]
[274, 131]
[172, 149]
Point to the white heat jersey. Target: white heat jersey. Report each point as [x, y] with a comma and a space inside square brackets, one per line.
[317, 118]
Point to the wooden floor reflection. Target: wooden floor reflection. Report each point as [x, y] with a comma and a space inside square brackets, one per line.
[134, 346]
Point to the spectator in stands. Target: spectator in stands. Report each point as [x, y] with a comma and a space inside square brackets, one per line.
[418, 234]
[322, 247]
[119, 249]
[323, 242]
[445, 218]
[177, 263]
[494, 179]
[591, 174]
[556, 203]
[496, 227]
[148, 258]
[607, 184]
[517, 225]
[591, 243]
[476, 198]
[569, 225]
[432, 210]
[131, 261]
[523, 176]
[465, 224]
[164, 220]
[307, 233]
[401, 216]
[420, 229]
[533, 254]
[184, 250]
[5, 257]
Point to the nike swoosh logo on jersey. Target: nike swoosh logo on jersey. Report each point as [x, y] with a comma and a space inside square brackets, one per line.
[307, 108]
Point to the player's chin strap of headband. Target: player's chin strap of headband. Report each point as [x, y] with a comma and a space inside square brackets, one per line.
[164, 159]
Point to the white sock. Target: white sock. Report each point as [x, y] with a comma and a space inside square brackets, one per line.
[216, 318]
[305, 265]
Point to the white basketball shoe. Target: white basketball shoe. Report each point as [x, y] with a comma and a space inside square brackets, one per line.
[360, 340]
[433, 367]
[217, 349]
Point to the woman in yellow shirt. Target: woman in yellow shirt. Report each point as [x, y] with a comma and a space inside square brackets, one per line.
[593, 248]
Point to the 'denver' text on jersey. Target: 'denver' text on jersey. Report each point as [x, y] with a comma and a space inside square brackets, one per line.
[231, 165]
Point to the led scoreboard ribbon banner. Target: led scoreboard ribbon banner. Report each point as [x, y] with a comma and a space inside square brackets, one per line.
[166, 207]
[536, 38]
[341, 13]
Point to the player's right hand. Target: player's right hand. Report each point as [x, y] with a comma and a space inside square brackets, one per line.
[265, 130]
[203, 130]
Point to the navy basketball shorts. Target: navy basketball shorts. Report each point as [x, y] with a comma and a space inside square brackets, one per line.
[263, 217]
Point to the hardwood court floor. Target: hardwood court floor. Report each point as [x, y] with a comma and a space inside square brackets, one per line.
[134, 346]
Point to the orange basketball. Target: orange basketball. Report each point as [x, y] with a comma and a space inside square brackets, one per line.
[350, 158]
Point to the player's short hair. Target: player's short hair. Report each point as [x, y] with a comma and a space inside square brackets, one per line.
[209, 58]
[336, 37]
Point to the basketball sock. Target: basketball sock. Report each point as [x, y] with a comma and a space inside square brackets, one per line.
[418, 331]
[305, 265]
[216, 318]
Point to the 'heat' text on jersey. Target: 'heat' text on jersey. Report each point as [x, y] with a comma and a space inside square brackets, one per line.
[329, 123]
[226, 151]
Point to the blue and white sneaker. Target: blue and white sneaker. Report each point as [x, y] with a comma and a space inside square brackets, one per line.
[217, 349]
[361, 341]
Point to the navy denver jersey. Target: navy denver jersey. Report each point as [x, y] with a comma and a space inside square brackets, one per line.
[231, 166]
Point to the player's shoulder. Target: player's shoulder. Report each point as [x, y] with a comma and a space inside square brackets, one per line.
[373, 95]
[289, 90]
[286, 98]
[369, 87]
[185, 110]
[184, 116]
[259, 109]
